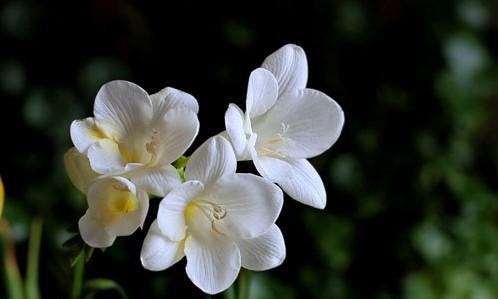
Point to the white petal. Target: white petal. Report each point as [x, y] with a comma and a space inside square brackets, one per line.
[122, 108]
[289, 66]
[144, 206]
[307, 122]
[104, 189]
[93, 233]
[264, 252]
[234, 123]
[105, 157]
[212, 265]
[84, 133]
[252, 205]
[262, 92]
[78, 169]
[171, 213]
[158, 252]
[170, 98]
[157, 180]
[213, 159]
[129, 223]
[297, 177]
[176, 132]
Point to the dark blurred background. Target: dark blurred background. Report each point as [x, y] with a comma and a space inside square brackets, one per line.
[412, 199]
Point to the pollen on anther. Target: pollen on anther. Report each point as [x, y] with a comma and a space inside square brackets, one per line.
[151, 147]
[219, 212]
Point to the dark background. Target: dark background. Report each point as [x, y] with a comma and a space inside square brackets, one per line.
[412, 200]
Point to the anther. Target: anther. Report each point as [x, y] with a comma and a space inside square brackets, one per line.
[219, 212]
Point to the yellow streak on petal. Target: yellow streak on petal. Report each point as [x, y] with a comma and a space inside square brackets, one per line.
[121, 202]
[96, 132]
[189, 210]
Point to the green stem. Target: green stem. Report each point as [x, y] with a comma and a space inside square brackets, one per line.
[32, 288]
[12, 275]
[79, 270]
[244, 284]
[230, 293]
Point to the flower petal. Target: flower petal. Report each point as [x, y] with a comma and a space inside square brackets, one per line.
[262, 92]
[157, 180]
[171, 213]
[212, 263]
[93, 233]
[234, 123]
[289, 66]
[297, 177]
[84, 133]
[176, 132]
[105, 157]
[213, 159]
[78, 169]
[305, 123]
[264, 252]
[108, 200]
[122, 108]
[252, 204]
[130, 222]
[158, 252]
[170, 98]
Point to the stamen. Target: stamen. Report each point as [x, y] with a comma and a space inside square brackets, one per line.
[210, 209]
[268, 147]
[151, 147]
[219, 212]
[266, 151]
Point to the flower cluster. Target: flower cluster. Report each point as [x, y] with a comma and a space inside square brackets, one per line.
[218, 219]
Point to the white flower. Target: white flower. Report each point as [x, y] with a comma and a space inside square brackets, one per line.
[284, 124]
[220, 220]
[115, 208]
[78, 169]
[137, 136]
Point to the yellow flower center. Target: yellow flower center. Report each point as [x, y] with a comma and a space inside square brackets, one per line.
[96, 133]
[140, 149]
[121, 201]
[202, 212]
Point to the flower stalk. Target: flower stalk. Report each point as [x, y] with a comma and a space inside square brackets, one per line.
[244, 284]
[78, 273]
[32, 288]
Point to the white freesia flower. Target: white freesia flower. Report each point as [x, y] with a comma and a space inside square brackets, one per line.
[115, 208]
[78, 169]
[220, 220]
[284, 124]
[137, 136]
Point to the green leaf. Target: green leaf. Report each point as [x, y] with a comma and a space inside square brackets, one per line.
[104, 284]
[181, 162]
[78, 273]
[88, 253]
[73, 243]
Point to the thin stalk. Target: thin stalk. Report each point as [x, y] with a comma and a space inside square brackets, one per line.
[32, 288]
[79, 270]
[230, 293]
[12, 274]
[244, 284]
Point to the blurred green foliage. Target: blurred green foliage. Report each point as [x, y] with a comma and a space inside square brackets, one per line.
[412, 200]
